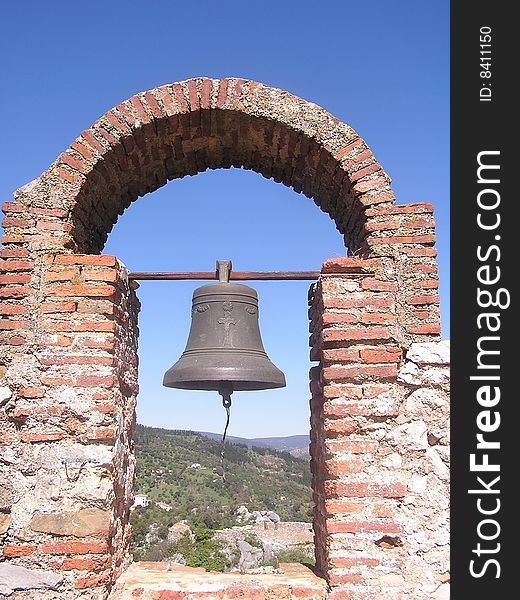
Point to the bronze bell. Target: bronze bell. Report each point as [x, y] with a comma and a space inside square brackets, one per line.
[224, 351]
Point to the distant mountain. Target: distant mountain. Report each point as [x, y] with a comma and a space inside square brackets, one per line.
[282, 444]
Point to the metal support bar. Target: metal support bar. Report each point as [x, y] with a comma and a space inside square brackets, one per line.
[236, 275]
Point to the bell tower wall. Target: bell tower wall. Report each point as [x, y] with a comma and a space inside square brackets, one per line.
[68, 347]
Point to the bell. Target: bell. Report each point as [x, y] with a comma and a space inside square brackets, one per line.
[224, 351]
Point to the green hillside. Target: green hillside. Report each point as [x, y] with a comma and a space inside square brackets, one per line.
[180, 469]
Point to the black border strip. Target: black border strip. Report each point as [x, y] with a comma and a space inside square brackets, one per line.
[482, 125]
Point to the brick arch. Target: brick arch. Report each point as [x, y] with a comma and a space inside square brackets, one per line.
[185, 128]
[68, 347]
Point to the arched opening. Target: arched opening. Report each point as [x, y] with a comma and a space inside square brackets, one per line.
[217, 218]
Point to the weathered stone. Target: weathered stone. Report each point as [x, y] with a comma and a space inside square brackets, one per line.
[14, 577]
[88, 521]
[438, 465]
[5, 394]
[177, 530]
[413, 436]
[432, 353]
[6, 497]
[424, 399]
[5, 522]
[250, 556]
[410, 374]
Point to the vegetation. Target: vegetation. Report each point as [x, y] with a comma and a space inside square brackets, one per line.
[180, 471]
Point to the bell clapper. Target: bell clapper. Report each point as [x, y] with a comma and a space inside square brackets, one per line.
[225, 390]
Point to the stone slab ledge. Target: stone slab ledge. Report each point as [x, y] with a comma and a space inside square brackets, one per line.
[160, 581]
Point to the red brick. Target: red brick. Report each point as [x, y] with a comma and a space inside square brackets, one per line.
[56, 381]
[341, 355]
[15, 340]
[300, 591]
[53, 436]
[345, 562]
[62, 274]
[358, 372]
[60, 213]
[75, 162]
[388, 408]
[82, 564]
[424, 328]
[424, 268]
[368, 170]
[363, 488]
[372, 390]
[330, 318]
[375, 285]
[58, 340]
[19, 291]
[94, 380]
[192, 95]
[345, 425]
[66, 326]
[179, 96]
[335, 467]
[59, 307]
[92, 581]
[416, 208]
[356, 446]
[107, 343]
[422, 314]
[15, 551]
[378, 318]
[92, 291]
[14, 253]
[404, 239]
[359, 333]
[375, 355]
[31, 392]
[423, 299]
[93, 142]
[343, 390]
[356, 145]
[109, 275]
[139, 108]
[107, 434]
[153, 105]
[82, 149]
[17, 222]
[354, 506]
[344, 578]
[366, 300]
[10, 207]
[75, 359]
[98, 260]
[205, 96]
[222, 93]
[70, 176]
[73, 547]
[13, 309]
[349, 264]
[419, 251]
[363, 526]
[11, 324]
[107, 408]
[426, 284]
[370, 184]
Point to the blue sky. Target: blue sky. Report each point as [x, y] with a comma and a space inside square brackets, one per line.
[382, 67]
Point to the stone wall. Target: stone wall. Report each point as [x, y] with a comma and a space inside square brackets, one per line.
[67, 416]
[379, 436]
